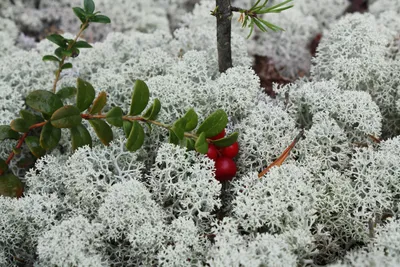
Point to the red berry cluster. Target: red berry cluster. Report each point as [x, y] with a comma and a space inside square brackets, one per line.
[225, 167]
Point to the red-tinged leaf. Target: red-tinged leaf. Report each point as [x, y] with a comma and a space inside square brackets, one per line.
[99, 103]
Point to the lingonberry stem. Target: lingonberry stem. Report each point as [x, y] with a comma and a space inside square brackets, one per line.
[22, 139]
[59, 70]
[137, 118]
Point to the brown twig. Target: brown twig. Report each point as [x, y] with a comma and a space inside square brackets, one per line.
[282, 158]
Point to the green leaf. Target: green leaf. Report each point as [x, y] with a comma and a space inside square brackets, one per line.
[179, 128]
[201, 144]
[80, 13]
[66, 92]
[152, 112]
[226, 141]
[127, 126]
[19, 125]
[100, 19]
[58, 40]
[80, 136]
[26, 162]
[59, 52]
[85, 94]
[7, 133]
[114, 117]
[66, 53]
[66, 66]
[29, 117]
[103, 131]
[50, 58]
[34, 146]
[136, 137]
[11, 186]
[89, 6]
[213, 124]
[3, 166]
[66, 117]
[173, 139]
[50, 136]
[75, 52]
[44, 101]
[82, 44]
[99, 103]
[190, 144]
[140, 98]
[191, 119]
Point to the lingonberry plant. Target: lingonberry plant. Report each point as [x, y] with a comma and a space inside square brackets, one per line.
[39, 126]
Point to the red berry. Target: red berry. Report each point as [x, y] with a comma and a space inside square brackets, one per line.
[212, 152]
[225, 169]
[219, 136]
[230, 151]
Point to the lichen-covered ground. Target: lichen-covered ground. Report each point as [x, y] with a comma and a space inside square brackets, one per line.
[334, 201]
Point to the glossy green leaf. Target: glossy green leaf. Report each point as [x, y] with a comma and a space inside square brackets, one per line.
[201, 144]
[66, 117]
[100, 19]
[226, 141]
[44, 101]
[50, 136]
[80, 13]
[179, 128]
[114, 117]
[85, 94]
[11, 186]
[66, 53]
[103, 131]
[34, 146]
[7, 133]
[20, 125]
[152, 112]
[99, 103]
[173, 139]
[66, 92]
[82, 44]
[29, 117]
[136, 137]
[58, 40]
[127, 127]
[66, 66]
[3, 166]
[213, 124]
[80, 136]
[89, 6]
[50, 58]
[191, 119]
[140, 98]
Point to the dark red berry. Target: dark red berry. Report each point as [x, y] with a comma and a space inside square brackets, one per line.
[230, 151]
[225, 169]
[219, 136]
[212, 152]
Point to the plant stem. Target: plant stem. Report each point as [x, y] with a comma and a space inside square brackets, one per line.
[22, 139]
[138, 118]
[59, 70]
[224, 16]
